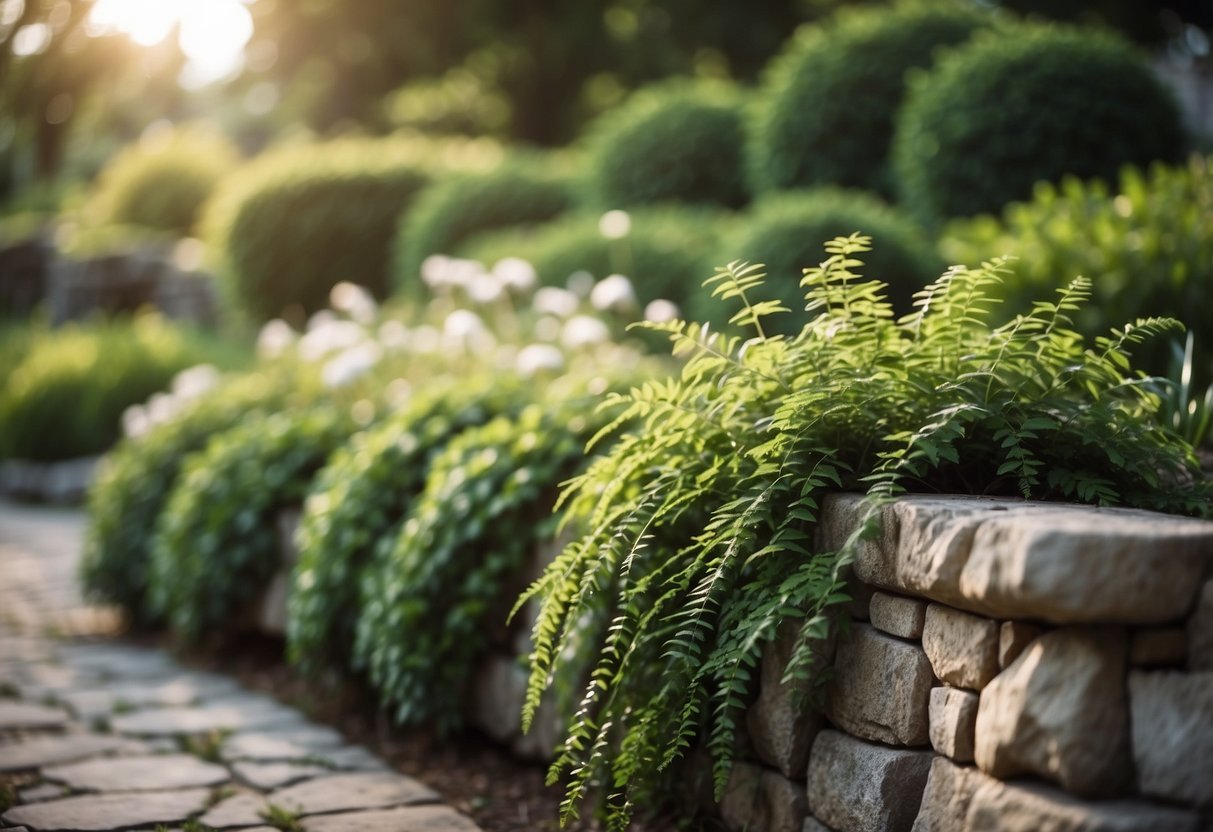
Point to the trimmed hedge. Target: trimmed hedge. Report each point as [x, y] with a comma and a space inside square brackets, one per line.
[1010, 109]
[360, 498]
[783, 231]
[296, 222]
[1148, 244]
[163, 181]
[669, 143]
[828, 105]
[215, 547]
[521, 192]
[65, 395]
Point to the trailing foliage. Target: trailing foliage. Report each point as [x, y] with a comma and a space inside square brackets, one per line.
[444, 586]
[521, 192]
[215, 546]
[64, 396]
[360, 498]
[1012, 108]
[826, 111]
[295, 223]
[672, 143]
[783, 230]
[163, 181]
[1147, 244]
[138, 476]
[663, 252]
[697, 525]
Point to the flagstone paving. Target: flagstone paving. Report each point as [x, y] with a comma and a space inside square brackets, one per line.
[97, 735]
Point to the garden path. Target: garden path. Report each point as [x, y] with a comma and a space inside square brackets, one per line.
[96, 734]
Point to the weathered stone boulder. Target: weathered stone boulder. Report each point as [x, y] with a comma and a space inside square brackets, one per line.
[1172, 718]
[1013, 637]
[758, 799]
[881, 688]
[781, 724]
[897, 615]
[1060, 711]
[954, 723]
[856, 786]
[1200, 631]
[963, 648]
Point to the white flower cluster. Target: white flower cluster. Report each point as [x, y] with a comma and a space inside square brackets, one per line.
[187, 386]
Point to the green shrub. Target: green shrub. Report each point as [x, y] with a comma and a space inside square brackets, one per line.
[163, 181]
[664, 253]
[296, 222]
[358, 501]
[827, 108]
[1148, 246]
[215, 546]
[138, 476]
[669, 143]
[780, 229]
[448, 579]
[1010, 109]
[698, 523]
[457, 102]
[64, 398]
[519, 193]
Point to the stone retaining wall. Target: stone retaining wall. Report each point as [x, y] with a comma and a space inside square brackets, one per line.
[1009, 666]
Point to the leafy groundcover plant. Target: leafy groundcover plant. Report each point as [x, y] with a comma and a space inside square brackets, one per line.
[697, 525]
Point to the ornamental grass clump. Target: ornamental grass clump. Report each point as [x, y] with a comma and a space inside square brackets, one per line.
[696, 526]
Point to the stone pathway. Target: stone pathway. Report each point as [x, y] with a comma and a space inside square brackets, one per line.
[100, 735]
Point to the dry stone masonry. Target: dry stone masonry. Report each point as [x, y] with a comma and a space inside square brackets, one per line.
[1010, 666]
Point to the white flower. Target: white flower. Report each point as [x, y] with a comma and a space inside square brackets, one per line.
[551, 300]
[194, 381]
[485, 287]
[351, 364]
[615, 225]
[660, 311]
[582, 331]
[580, 283]
[615, 293]
[161, 407]
[434, 270]
[135, 422]
[463, 329]
[461, 273]
[515, 273]
[321, 319]
[393, 335]
[275, 338]
[329, 337]
[537, 358]
[354, 301]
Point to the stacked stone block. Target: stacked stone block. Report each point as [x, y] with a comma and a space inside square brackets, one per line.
[1012, 666]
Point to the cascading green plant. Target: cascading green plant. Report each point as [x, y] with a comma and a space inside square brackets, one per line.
[697, 524]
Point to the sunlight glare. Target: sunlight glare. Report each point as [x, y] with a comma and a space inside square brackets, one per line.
[212, 33]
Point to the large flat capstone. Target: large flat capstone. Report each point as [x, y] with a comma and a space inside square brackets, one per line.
[1050, 562]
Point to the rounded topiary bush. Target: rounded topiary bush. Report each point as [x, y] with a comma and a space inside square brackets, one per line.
[162, 181]
[292, 225]
[826, 112]
[664, 252]
[674, 143]
[785, 231]
[520, 192]
[1010, 109]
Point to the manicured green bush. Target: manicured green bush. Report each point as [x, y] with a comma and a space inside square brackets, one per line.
[1147, 243]
[294, 223]
[827, 108]
[779, 231]
[215, 546]
[447, 581]
[520, 192]
[358, 502]
[1012, 108]
[665, 252]
[163, 181]
[65, 396]
[134, 484]
[669, 144]
[697, 525]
